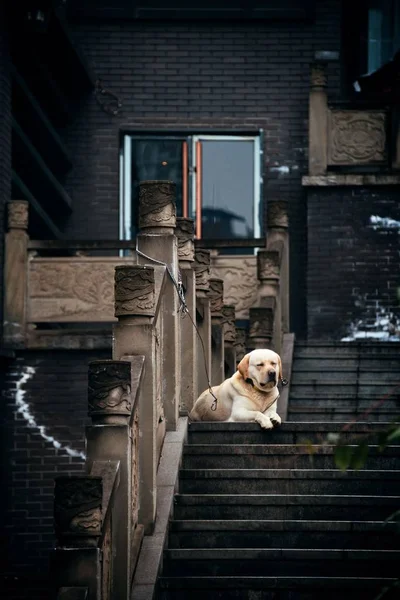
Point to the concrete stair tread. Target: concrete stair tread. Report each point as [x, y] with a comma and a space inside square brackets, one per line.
[284, 499]
[276, 449]
[304, 426]
[281, 553]
[275, 582]
[281, 525]
[288, 474]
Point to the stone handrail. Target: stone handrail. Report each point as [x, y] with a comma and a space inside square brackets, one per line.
[172, 336]
[269, 318]
[350, 136]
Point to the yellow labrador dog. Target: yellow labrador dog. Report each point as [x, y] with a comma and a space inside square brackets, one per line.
[250, 395]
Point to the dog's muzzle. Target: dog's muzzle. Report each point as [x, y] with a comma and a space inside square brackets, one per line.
[271, 378]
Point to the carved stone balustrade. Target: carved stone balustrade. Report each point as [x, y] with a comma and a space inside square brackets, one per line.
[134, 291]
[318, 121]
[184, 232]
[109, 392]
[15, 274]
[202, 262]
[203, 318]
[157, 206]
[139, 293]
[262, 325]
[157, 242]
[229, 332]
[277, 242]
[189, 385]
[240, 343]
[78, 510]
[215, 294]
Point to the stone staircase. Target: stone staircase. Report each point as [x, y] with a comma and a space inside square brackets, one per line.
[258, 517]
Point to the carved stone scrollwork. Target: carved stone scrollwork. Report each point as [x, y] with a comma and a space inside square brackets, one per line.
[261, 324]
[277, 215]
[268, 264]
[134, 290]
[109, 391]
[18, 213]
[157, 204]
[202, 261]
[78, 509]
[357, 137]
[185, 233]
[318, 75]
[228, 322]
[216, 295]
[240, 343]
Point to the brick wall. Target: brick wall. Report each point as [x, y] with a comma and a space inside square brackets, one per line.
[5, 140]
[353, 263]
[45, 401]
[193, 74]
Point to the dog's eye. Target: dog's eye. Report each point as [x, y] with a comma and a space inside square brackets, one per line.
[273, 364]
[260, 365]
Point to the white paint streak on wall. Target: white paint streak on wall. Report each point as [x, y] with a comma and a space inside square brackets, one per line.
[24, 409]
[385, 328]
[384, 223]
[282, 170]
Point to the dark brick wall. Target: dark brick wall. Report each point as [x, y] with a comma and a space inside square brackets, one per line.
[45, 395]
[5, 140]
[353, 263]
[193, 74]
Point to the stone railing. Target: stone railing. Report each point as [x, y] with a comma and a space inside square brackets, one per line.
[344, 137]
[164, 353]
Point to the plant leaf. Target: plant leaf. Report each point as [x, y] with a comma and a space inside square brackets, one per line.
[360, 454]
[343, 455]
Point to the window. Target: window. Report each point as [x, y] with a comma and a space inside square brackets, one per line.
[383, 32]
[371, 38]
[218, 181]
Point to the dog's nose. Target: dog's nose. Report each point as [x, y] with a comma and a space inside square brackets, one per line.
[271, 374]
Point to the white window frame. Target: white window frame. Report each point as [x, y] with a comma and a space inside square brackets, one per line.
[125, 189]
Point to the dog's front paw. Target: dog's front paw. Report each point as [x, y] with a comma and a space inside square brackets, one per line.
[263, 421]
[275, 419]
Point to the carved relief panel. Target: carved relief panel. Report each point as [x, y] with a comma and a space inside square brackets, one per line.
[357, 137]
[72, 289]
[239, 274]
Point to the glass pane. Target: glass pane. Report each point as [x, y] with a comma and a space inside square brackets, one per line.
[155, 158]
[380, 33]
[227, 189]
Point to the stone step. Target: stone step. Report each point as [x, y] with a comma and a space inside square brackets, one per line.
[389, 404]
[275, 588]
[361, 364]
[242, 562]
[357, 535]
[282, 506]
[302, 413]
[278, 456]
[341, 377]
[339, 389]
[288, 433]
[288, 481]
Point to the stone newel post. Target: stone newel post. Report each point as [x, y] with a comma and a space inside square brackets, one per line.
[203, 317]
[318, 121]
[268, 273]
[185, 234]
[261, 325]
[228, 322]
[134, 335]
[16, 274]
[278, 241]
[216, 296]
[157, 221]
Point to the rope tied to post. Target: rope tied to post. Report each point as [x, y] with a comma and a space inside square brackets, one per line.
[183, 309]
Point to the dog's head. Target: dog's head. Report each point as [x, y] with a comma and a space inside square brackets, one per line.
[262, 367]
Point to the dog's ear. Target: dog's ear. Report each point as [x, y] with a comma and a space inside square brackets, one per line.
[243, 366]
[280, 367]
[281, 377]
